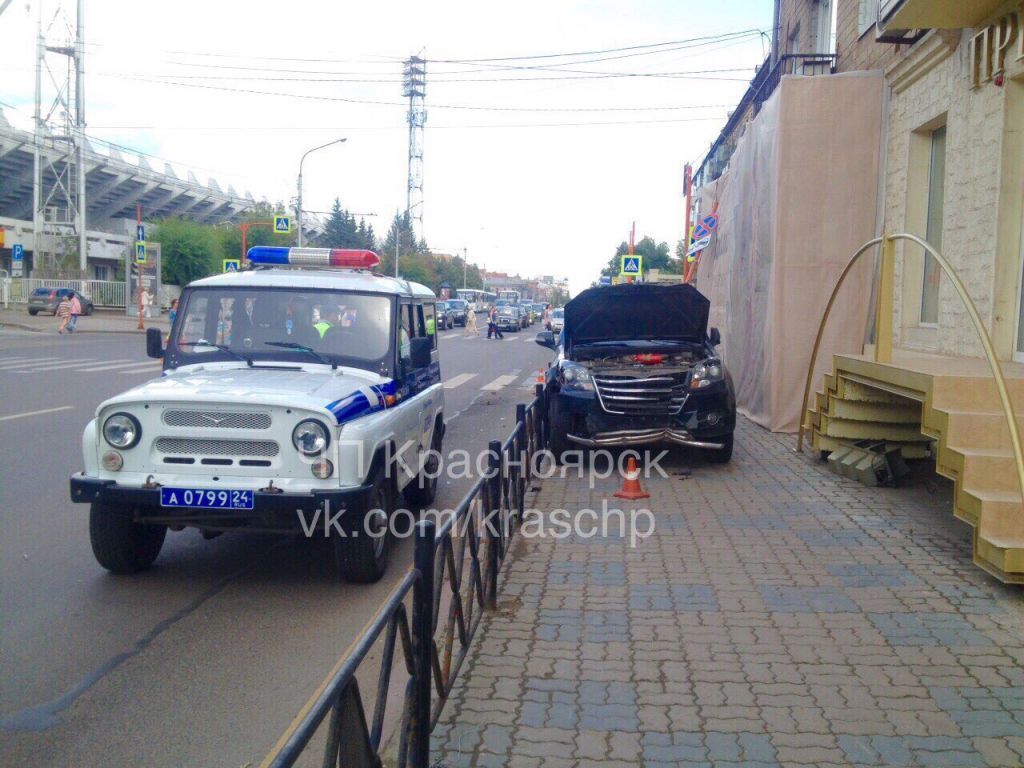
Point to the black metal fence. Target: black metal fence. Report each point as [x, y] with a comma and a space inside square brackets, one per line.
[453, 579]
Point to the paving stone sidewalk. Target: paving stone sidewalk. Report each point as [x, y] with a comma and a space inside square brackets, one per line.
[779, 616]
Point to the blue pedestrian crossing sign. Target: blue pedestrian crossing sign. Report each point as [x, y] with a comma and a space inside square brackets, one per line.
[140, 252]
[232, 265]
[631, 265]
[282, 225]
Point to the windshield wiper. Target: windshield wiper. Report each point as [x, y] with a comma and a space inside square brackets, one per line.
[221, 347]
[303, 348]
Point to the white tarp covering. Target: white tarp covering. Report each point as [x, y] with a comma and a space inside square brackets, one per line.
[799, 197]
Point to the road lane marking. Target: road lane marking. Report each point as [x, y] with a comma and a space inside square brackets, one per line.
[500, 383]
[57, 366]
[25, 359]
[155, 370]
[11, 366]
[458, 381]
[111, 367]
[451, 335]
[37, 413]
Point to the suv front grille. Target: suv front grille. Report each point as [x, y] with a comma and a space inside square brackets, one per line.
[639, 396]
[185, 446]
[216, 419]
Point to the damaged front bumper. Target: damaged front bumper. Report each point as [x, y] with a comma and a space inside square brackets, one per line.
[626, 437]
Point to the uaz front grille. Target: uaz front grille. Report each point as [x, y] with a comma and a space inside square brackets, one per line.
[641, 396]
[186, 446]
[216, 419]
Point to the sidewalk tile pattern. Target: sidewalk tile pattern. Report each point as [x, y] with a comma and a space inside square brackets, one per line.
[778, 616]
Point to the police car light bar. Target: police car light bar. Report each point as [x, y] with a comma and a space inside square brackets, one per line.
[313, 257]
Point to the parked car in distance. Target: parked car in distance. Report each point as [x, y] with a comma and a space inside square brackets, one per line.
[557, 319]
[47, 299]
[457, 311]
[637, 366]
[444, 321]
[510, 318]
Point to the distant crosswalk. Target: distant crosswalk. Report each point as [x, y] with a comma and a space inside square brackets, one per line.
[36, 365]
[30, 366]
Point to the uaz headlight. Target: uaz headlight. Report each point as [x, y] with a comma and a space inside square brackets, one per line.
[576, 377]
[310, 437]
[122, 430]
[705, 372]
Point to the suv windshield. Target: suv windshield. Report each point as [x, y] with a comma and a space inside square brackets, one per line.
[288, 325]
[457, 304]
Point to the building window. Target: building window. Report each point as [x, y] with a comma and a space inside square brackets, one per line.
[867, 15]
[933, 226]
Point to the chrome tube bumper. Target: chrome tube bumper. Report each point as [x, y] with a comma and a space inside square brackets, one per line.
[641, 437]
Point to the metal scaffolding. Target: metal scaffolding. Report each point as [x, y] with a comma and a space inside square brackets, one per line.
[414, 87]
[58, 189]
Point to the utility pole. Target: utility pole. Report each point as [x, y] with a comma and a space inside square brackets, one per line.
[414, 87]
[59, 143]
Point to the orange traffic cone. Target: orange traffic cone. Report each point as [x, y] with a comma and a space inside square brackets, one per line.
[540, 377]
[631, 487]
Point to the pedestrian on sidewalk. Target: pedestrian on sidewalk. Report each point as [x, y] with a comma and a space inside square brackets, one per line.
[471, 328]
[76, 310]
[63, 313]
[147, 302]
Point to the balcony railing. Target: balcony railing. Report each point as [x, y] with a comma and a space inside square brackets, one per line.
[793, 64]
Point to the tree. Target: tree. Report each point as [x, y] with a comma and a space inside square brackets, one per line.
[656, 256]
[189, 250]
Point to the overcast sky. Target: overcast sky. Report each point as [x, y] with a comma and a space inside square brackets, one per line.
[537, 166]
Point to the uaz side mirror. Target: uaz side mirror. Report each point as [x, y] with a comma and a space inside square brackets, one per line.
[154, 342]
[714, 337]
[419, 351]
[546, 339]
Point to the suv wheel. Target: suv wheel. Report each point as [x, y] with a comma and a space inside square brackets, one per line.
[423, 489]
[360, 557]
[120, 544]
[88, 309]
[33, 312]
[558, 426]
[721, 455]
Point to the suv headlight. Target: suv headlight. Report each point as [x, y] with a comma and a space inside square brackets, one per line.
[310, 437]
[705, 372]
[122, 430]
[576, 378]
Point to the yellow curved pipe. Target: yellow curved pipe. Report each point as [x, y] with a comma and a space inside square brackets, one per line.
[979, 326]
[821, 330]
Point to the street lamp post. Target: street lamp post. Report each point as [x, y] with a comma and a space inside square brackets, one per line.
[298, 206]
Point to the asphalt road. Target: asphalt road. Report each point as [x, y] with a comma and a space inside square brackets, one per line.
[203, 660]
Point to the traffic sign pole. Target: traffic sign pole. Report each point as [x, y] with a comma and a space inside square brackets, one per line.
[138, 265]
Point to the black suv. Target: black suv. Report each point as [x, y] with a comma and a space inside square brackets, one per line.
[637, 366]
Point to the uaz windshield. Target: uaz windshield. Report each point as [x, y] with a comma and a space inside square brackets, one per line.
[272, 324]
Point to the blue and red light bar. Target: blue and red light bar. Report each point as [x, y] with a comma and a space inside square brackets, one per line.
[313, 257]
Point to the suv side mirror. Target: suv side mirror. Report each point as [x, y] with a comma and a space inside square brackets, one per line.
[714, 337]
[420, 349]
[546, 339]
[154, 343]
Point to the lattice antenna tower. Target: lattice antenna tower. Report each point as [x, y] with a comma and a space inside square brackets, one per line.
[414, 87]
[58, 189]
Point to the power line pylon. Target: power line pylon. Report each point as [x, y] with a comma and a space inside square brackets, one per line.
[58, 189]
[414, 87]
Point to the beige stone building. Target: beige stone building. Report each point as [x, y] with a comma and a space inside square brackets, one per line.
[946, 164]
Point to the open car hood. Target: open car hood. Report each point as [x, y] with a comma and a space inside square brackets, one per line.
[639, 311]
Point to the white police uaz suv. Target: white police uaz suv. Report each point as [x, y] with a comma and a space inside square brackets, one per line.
[300, 395]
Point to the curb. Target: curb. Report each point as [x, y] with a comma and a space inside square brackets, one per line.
[37, 329]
